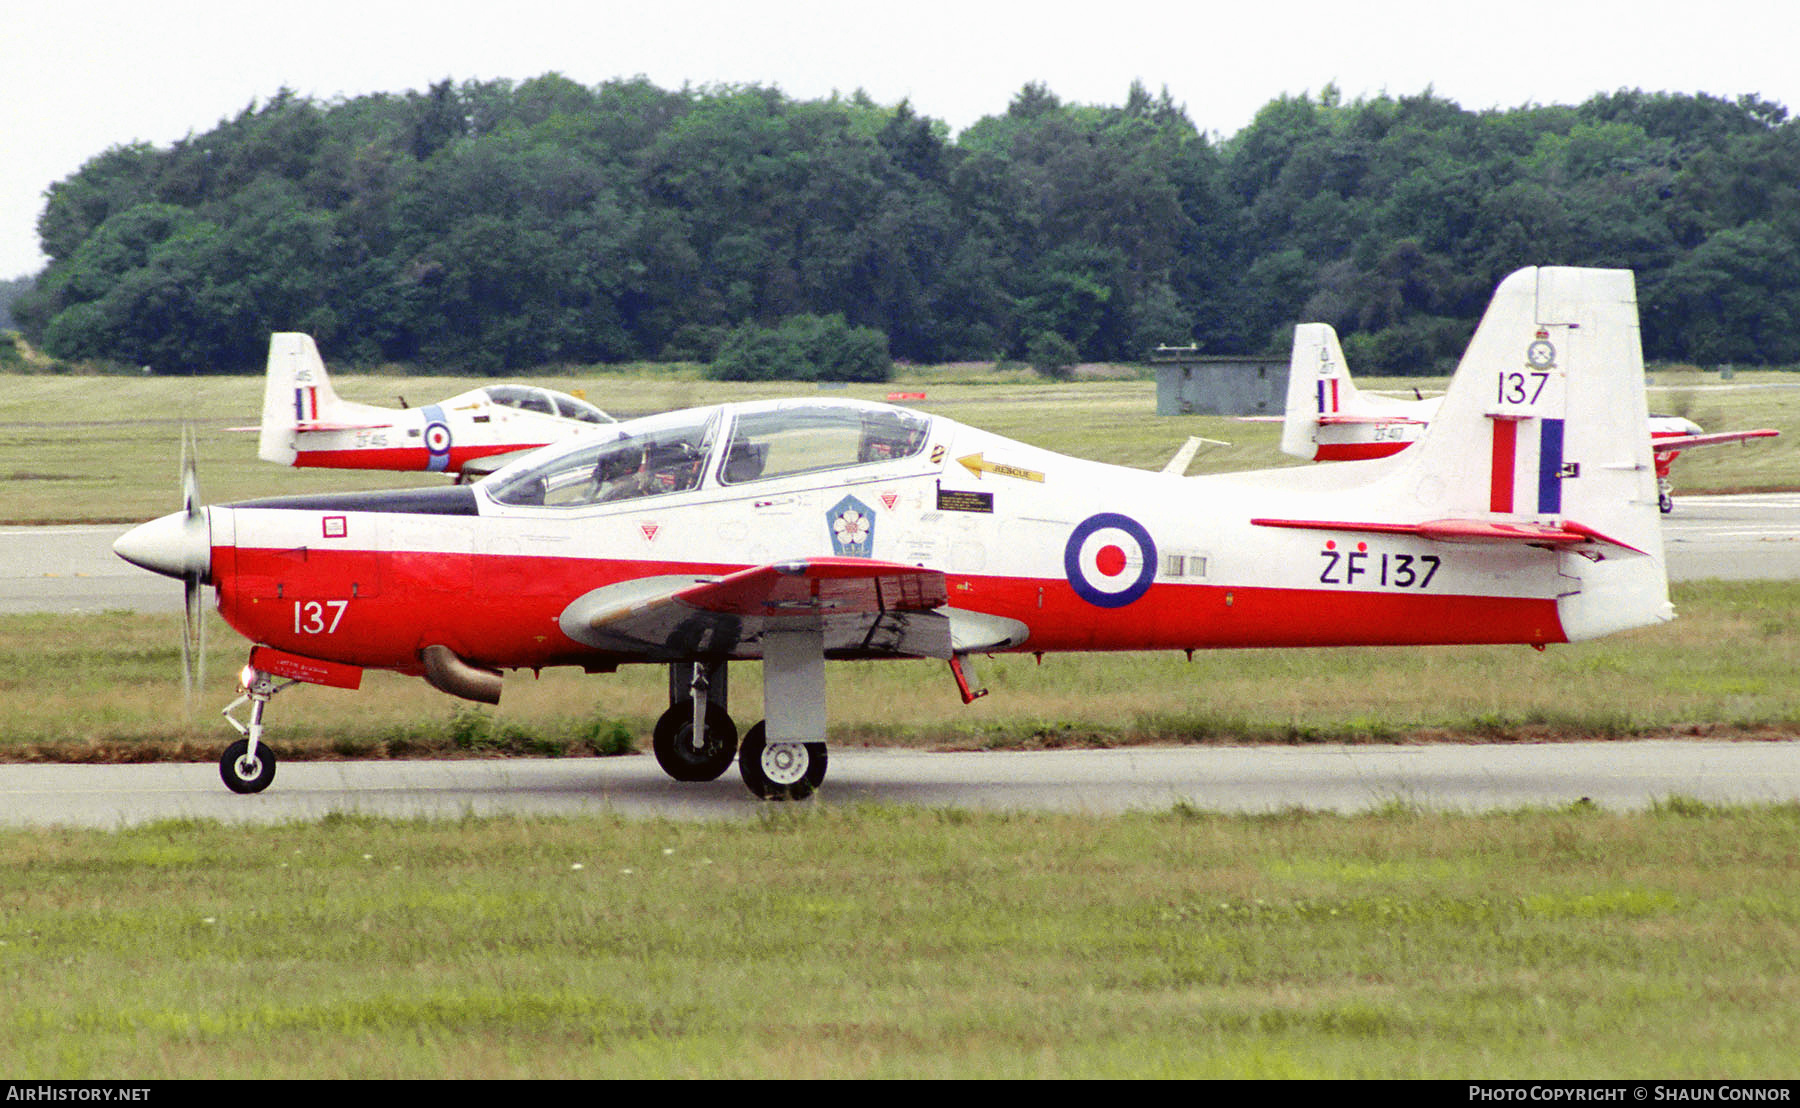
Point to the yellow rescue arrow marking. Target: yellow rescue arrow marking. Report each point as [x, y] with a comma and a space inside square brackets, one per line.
[978, 465]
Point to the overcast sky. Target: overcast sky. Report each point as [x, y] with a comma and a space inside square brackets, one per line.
[80, 76]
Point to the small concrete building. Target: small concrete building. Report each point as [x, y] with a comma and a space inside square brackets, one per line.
[1191, 383]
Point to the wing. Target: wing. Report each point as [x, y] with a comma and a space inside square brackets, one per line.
[865, 608]
[1687, 442]
[480, 467]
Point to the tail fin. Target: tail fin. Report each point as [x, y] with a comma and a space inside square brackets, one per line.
[1542, 443]
[1318, 385]
[1545, 425]
[297, 393]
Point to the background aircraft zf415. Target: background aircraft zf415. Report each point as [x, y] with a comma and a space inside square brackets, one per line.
[1328, 418]
[795, 532]
[305, 423]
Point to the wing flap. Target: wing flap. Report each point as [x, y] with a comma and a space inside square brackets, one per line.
[820, 585]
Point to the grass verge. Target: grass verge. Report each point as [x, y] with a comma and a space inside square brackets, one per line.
[894, 942]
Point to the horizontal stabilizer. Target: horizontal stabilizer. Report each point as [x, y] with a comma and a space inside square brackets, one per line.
[1685, 442]
[1566, 533]
[1347, 420]
[306, 428]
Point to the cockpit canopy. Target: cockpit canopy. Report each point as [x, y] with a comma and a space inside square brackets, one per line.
[529, 398]
[725, 446]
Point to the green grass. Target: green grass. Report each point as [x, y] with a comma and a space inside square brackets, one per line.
[893, 942]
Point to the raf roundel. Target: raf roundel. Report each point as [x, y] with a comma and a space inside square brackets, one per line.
[437, 439]
[1110, 560]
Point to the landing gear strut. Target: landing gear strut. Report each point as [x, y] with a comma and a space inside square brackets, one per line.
[695, 740]
[247, 765]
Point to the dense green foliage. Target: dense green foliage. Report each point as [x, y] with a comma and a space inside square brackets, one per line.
[803, 348]
[490, 226]
[9, 292]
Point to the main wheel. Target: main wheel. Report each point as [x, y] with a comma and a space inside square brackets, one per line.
[780, 771]
[244, 774]
[673, 743]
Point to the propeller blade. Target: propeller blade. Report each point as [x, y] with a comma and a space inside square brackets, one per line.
[190, 646]
[190, 473]
[193, 628]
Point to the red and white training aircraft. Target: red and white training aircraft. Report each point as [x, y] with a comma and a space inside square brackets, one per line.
[1329, 419]
[305, 423]
[793, 532]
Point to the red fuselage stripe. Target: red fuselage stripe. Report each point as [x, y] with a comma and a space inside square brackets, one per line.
[378, 610]
[401, 457]
[1358, 451]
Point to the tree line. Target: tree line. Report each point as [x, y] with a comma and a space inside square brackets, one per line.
[497, 226]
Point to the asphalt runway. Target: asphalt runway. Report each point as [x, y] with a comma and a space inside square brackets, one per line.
[73, 569]
[1616, 776]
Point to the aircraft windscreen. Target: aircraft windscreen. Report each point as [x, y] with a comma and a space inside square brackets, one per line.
[650, 457]
[570, 407]
[521, 397]
[805, 438]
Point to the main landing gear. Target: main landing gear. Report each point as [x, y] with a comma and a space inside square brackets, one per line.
[780, 771]
[696, 740]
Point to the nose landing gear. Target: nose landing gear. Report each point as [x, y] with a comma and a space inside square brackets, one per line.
[247, 765]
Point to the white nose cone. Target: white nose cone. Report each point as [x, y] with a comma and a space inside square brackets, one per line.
[177, 545]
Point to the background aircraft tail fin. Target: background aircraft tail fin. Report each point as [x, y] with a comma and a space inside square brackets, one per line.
[1318, 385]
[1546, 423]
[296, 392]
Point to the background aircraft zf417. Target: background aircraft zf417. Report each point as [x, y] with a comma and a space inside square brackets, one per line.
[305, 423]
[794, 532]
[1328, 418]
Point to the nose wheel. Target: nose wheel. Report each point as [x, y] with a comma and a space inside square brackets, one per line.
[247, 766]
[246, 769]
